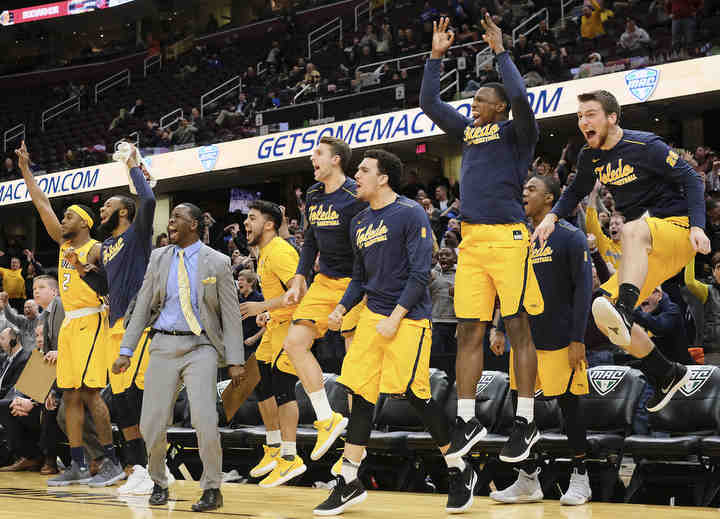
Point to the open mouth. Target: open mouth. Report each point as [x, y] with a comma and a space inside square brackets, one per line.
[172, 233]
[589, 134]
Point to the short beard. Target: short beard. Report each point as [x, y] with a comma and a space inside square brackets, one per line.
[112, 223]
[69, 235]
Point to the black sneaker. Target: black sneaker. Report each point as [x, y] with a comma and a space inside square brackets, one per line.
[461, 487]
[523, 436]
[464, 436]
[666, 387]
[342, 496]
[613, 320]
[159, 496]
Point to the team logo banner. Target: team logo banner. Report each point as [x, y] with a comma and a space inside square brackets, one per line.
[642, 83]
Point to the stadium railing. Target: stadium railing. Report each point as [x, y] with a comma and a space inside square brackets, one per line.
[59, 109]
[113, 81]
[234, 83]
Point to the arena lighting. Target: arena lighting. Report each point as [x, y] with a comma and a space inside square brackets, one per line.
[56, 10]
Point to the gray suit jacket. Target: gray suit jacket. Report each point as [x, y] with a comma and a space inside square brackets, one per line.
[217, 301]
[52, 320]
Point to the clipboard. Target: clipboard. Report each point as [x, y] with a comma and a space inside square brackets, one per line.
[37, 377]
[233, 397]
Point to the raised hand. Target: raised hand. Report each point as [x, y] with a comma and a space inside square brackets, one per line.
[442, 38]
[493, 34]
[23, 157]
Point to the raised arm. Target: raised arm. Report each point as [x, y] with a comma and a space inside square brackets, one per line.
[146, 205]
[696, 288]
[38, 197]
[441, 113]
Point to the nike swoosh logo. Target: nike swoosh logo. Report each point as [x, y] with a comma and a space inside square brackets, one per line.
[667, 388]
[329, 427]
[344, 499]
[285, 472]
[529, 439]
[596, 160]
[468, 436]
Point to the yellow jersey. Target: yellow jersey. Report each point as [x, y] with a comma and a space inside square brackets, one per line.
[13, 283]
[74, 292]
[276, 266]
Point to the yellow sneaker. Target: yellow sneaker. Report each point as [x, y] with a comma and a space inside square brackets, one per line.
[336, 469]
[267, 463]
[328, 431]
[284, 472]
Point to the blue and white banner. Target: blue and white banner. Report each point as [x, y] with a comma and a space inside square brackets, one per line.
[560, 99]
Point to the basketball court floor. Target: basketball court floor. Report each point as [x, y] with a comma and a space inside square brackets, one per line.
[26, 496]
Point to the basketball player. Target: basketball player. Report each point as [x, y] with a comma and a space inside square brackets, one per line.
[662, 198]
[564, 272]
[82, 357]
[392, 242]
[495, 249]
[277, 264]
[124, 257]
[330, 205]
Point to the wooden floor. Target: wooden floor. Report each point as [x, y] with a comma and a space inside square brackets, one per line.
[27, 496]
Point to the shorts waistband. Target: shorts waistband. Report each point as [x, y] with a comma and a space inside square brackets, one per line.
[83, 312]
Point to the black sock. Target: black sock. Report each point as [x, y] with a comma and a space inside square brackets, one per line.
[135, 453]
[529, 465]
[627, 297]
[656, 364]
[78, 456]
[579, 464]
[109, 452]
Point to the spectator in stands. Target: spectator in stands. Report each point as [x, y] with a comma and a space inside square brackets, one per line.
[185, 134]
[635, 40]
[138, 111]
[712, 178]
[609, 246]
[247, 282]
[591, 23]
[24, 323]
[13, 283]
[593, 66]
[683, 14]
[162, 240]
[543, 34]
[9, 172]
[708, 294]
[444, 322]
[369, 39]
[384, 41]
[703, 157]
[274, 54]
[411, 44]
[31, 270]
[663, 318]
[119, 120]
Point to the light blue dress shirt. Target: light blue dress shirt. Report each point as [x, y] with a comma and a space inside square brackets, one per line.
[171, 317]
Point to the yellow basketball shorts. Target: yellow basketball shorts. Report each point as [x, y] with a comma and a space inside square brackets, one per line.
[555, 377]
[375, 365]
[321, 299]
[494, 261]
[82, 352]
[270, 349]
[135, 374]
[671, 251]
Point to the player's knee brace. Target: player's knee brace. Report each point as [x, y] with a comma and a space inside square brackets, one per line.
[283, 386]
[432, 416]
[358, 431]
[575, 425]
[264, 389]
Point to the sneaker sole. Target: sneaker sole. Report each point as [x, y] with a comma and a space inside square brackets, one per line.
[469, 445]
[109, 482]
[469, 503]
[319, 452]
[607, 319]
[68, 483]
[339, 472]
[524, 455]
[128, 490]
[565, 503]
[340, 509]
[138, 492]
[287, 477]
[532, 498]
[680, 383]
[265, 470]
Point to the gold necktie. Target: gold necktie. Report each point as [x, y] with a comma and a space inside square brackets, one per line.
[184, 294]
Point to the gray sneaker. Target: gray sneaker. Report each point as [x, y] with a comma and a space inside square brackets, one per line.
[72, 475]
[579, 491]
[108, 474]
[525, 490]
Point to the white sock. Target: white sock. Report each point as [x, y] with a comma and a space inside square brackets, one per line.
[288, 449]
[455, 462]
[273, 438]
[525, 408]
[321, 405]
[466, 408]
[349, 470]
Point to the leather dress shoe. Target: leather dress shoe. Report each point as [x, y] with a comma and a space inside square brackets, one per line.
[23, 465]
[159, 495]
[211, 499]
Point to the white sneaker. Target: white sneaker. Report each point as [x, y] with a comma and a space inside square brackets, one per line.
[526, 489]
[123, 152]
[139, 473]
[144, 487]
[578, 492]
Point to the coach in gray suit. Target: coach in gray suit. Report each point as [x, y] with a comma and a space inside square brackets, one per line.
[189, 299]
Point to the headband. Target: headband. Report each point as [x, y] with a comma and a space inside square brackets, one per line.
[82, 213]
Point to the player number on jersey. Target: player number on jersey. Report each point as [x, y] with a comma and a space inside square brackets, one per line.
[66, 281]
